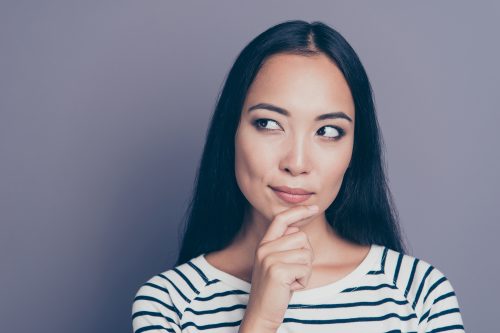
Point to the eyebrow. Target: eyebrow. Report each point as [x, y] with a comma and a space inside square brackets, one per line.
[274, 108]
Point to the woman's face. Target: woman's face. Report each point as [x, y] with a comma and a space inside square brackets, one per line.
[292, 148]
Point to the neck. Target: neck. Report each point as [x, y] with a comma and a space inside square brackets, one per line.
[328, 247]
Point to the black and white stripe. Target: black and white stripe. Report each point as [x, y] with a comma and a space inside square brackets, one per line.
[397, 293]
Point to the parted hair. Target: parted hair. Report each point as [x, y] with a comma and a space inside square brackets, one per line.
[363, 210]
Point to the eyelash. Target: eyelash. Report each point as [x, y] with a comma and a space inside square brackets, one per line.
[256, 122]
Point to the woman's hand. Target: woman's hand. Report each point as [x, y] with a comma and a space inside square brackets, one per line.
[283, 264]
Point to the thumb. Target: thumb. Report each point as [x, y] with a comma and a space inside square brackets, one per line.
[291, 230]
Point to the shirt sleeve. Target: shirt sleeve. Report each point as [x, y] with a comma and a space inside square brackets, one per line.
[153, 310]
[441, 311]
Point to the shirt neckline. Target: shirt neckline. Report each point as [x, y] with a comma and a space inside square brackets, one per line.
[327, 290]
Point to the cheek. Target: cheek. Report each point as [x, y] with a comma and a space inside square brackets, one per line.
[332, 171]
[252, 166]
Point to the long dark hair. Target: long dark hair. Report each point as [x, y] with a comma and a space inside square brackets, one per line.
[363, 211]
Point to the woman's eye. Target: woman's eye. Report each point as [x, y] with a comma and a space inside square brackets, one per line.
[335, 133]
[261, 123]
[333, 136]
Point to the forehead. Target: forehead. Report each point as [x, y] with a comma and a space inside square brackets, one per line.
[301, 84]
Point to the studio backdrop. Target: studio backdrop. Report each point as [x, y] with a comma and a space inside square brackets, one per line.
[104, 108]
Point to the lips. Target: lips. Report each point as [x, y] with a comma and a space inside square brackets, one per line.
[291, 190]
[284, 193]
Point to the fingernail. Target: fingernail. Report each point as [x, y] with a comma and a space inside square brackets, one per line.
[312, 208]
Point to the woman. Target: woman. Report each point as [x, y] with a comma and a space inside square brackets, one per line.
[295, 127]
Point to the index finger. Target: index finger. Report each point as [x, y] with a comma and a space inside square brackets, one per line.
[284, 219]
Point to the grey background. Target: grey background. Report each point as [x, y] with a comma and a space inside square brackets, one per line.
[104, 108]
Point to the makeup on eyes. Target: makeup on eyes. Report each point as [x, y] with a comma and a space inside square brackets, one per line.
[258, 121]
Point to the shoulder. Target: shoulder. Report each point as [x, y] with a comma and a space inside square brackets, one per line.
[425, 287]
[161, 300]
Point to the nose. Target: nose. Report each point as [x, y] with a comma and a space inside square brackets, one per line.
[296, 158]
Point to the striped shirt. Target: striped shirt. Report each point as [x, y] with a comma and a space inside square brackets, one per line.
[388, 292]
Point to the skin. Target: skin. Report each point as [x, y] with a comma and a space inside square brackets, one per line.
[296, 151]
